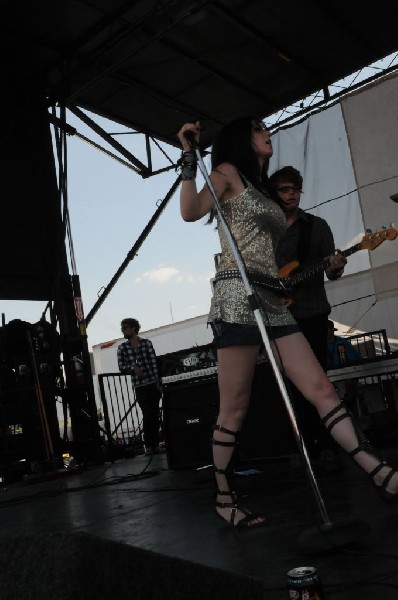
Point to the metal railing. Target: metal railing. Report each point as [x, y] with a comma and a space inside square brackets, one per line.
[122, 415]
[371, 345]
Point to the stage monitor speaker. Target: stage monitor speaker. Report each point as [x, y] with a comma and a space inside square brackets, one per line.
[189, 411]
[266, 431]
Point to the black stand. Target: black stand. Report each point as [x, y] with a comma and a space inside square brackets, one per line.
[328, 535]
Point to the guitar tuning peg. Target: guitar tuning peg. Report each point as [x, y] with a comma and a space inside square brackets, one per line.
[384, 227]
[368, 231]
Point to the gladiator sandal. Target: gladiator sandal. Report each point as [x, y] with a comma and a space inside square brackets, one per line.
[250, 519]
[382, 488]
[364, 446]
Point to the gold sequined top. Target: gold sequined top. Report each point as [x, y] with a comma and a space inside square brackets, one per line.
[256, 223]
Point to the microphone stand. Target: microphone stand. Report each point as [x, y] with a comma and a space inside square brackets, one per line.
[332, 534]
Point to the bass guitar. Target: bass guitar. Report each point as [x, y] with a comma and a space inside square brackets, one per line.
[288, 277]
[370, 241]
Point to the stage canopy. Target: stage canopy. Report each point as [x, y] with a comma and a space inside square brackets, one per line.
[153, 64]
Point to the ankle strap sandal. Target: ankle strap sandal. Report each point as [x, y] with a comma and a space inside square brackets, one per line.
[228, 432]
[336, 420]
[225, 444]
[365, 446]
[249, 520]
[382, 488]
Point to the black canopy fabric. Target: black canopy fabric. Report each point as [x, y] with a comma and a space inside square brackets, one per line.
[153, 64]
[32, 252]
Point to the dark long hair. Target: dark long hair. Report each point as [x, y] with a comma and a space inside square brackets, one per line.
[233, 144]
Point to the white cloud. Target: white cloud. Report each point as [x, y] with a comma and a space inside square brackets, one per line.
[165, 275]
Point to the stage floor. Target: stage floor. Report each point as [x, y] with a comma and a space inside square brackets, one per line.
[140, 502]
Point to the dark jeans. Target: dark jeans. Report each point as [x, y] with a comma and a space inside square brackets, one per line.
[148, 398]
[315, 435]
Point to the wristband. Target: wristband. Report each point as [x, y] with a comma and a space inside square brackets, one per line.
[189, 165]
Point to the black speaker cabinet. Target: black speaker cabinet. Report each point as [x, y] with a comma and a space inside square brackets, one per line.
[190, 409]
[266, 430]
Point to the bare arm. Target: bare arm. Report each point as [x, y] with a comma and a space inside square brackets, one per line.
[193, 204]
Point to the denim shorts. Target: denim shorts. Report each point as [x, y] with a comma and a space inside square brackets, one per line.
[236, 334]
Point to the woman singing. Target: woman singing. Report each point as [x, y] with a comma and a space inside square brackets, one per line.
[240, 156]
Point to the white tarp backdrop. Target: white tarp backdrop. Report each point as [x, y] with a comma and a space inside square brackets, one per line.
[348, 156]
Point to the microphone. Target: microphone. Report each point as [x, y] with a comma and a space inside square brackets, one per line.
[190, 136]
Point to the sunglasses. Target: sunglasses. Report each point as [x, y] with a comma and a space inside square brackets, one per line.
[285, 189]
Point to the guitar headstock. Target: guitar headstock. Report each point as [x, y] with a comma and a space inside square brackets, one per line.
[370, 241]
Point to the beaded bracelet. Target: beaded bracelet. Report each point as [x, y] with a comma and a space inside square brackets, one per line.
[188, 154]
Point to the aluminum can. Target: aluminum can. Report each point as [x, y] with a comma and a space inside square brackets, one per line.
[303, 583]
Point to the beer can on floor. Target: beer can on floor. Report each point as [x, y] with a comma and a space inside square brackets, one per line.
[303, 583]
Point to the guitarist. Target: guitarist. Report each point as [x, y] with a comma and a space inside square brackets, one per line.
[309, 240]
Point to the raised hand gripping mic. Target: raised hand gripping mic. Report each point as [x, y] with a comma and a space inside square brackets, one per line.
[191, 139]
[190, 136]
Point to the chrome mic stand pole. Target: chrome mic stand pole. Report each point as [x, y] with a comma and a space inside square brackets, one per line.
[327, 526]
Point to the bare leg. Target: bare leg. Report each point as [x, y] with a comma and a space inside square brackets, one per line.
[305, 372]
[236, 366]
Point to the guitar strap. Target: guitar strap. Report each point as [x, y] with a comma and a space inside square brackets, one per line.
[303, 246]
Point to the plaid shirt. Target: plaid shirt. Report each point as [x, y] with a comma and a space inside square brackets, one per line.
[143, 356]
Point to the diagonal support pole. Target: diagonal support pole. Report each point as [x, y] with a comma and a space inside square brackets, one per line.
[133, 251]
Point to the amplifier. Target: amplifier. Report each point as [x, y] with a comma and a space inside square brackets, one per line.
[266, 431]
[190, 410]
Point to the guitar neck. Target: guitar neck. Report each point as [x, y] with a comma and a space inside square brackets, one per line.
[314, 269]
[369, 242]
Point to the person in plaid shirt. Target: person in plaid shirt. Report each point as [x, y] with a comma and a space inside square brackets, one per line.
[136, 357]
